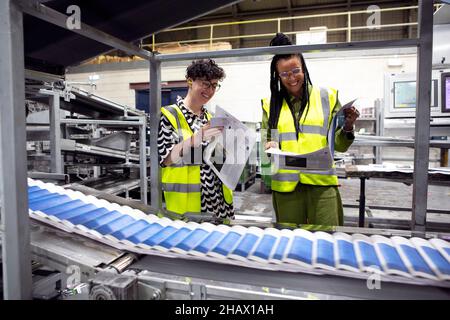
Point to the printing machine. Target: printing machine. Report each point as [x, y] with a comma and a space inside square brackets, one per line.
[399, 112]
[101, 143]
[80, 265]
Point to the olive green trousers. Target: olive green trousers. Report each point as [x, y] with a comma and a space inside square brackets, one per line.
[309, 204]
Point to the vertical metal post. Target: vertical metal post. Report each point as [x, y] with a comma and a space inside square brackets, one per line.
[55, 134]
[349, 27]
[211, 35]
[362, 201]
[155, 113]
[422, 129]
[16, 231]
[143, 159]
[410, 29]
[379, 128]
[443, 159]
[96, 134]
[153, 42]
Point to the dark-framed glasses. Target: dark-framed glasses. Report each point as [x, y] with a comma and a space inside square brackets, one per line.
[215, 86]
[294, 72]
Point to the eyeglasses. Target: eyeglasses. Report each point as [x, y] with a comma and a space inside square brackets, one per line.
[294, 72]
[215, 86]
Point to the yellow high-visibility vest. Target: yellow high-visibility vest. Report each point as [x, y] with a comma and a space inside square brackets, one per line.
[312, 137]
[180, 181]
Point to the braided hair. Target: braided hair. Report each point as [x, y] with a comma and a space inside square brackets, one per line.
[277, 89]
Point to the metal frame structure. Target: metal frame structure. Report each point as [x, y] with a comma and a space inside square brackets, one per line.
[14, 202]
[277, 26]
[424, 59]
[130, 121]
[15, 219]
[422, 128]
[129, 118]
[16, 244]
[155, 112]
[55, 133]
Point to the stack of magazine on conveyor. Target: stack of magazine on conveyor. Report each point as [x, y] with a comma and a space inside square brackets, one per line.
[354, 255]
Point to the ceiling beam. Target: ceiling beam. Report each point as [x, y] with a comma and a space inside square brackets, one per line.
[303, 8]
[373, 44]
[236, 28]
[38, 10]
[290, 13]
[289, 6]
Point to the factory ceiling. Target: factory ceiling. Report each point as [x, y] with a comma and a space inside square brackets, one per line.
[50, 48]
[250, 9]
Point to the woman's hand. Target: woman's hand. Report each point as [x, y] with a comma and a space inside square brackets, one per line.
[351, 114]
[209, 132]
[271, 144]
[206, 133]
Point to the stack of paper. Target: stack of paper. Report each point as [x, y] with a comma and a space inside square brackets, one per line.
[292, 250]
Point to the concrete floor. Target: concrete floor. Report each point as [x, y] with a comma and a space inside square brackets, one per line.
[378, 192]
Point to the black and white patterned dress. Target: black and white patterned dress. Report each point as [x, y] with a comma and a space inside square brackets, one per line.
[212, 197]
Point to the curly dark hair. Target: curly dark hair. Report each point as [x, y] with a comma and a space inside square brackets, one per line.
[206, 69]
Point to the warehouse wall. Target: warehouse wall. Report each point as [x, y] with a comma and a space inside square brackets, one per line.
[113, 84]
[247, 81]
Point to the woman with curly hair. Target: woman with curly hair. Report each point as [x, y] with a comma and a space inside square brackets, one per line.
[189, 184]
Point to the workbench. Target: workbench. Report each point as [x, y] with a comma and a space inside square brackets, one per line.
[403, 175]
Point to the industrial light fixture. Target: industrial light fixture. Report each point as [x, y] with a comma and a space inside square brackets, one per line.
[94, 77]
[395, 62]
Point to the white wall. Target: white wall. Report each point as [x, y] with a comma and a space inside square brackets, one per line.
[113, 85]
[357, 77]
[247, 82]
[362, 78]
[244, 86]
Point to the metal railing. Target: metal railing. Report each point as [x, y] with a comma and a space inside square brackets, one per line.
[349, 28]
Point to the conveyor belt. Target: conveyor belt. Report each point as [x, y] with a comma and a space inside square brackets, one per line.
[396, 259]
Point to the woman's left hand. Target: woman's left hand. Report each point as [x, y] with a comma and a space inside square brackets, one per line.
[351, 114]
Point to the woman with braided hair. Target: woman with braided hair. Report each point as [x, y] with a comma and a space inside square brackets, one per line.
[300, 114]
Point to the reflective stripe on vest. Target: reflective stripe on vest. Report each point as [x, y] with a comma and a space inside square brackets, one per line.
[284, 176]
[332, 171]
[181, 187]
[292, 136]
[174, 112]
[182, 164]
[314, 130]
[288, 136]
[325, 99]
